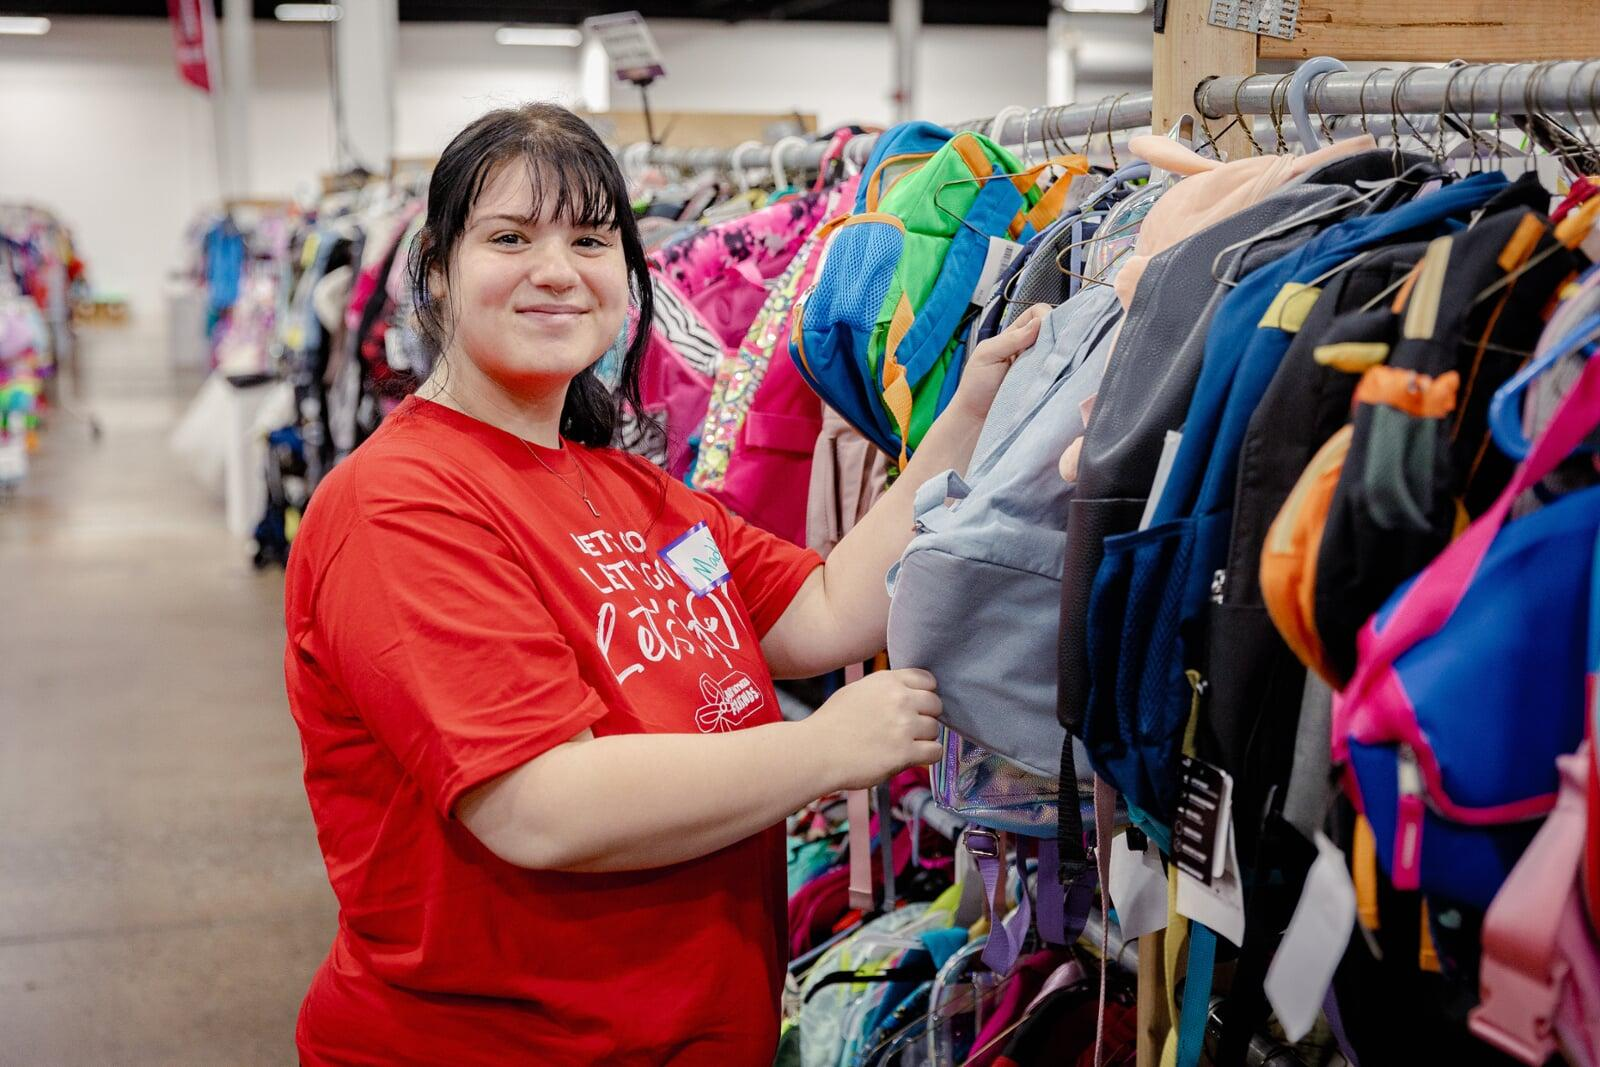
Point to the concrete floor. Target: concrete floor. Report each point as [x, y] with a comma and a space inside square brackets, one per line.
[162, 898]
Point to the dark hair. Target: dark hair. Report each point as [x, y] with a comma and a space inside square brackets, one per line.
[565, 159]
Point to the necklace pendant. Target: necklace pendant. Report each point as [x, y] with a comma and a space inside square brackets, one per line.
[592, 509]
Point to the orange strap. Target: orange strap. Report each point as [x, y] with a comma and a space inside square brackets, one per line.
[1418, 395]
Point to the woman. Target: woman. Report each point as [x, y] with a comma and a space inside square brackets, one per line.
[533, 676]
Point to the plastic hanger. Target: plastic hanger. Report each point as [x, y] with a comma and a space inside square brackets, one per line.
[1299, 87]
[1505, 410]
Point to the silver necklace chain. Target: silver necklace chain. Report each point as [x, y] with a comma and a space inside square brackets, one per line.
[582, 488]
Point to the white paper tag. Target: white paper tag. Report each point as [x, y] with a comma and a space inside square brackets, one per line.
[697, 559]
[1138, 888]
[1001, 253]
[1219, 905]
[1318, 934]
[1169, 452]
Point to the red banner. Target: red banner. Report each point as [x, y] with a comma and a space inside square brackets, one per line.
[192, 26]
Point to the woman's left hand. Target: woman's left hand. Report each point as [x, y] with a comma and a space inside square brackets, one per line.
[988, 364]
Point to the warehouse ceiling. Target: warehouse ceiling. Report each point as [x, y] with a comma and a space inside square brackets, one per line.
[990, 13]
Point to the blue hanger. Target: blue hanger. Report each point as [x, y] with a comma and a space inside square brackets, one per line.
[1505, 410]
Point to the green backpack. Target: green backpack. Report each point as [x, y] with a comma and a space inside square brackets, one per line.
[880, 335]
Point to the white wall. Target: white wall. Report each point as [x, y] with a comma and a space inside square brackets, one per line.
[95, 124]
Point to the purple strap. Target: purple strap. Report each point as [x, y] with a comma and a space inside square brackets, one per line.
[1006, 935]
[1062, 914]
[1330, 1008]
[1052, 898]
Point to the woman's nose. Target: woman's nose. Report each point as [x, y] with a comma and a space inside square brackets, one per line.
[553, 269]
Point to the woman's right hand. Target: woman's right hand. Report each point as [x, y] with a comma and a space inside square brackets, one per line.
[877, 727]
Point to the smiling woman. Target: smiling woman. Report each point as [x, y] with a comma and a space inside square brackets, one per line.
[525, 266]
[534, 676]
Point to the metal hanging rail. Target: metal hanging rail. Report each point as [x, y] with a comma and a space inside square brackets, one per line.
[1051, 126]
[1565, 87]
[1475, 93]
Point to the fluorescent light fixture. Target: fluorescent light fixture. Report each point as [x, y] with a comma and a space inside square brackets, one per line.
[18, 24]
[1106, 7]
[307, 12]
[548, 36]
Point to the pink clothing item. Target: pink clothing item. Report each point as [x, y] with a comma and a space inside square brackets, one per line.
[1210, 192]
[763, 419]
[676, 373]
[723, 269]
[848, 474]
[1019, 991]
[1540, 975]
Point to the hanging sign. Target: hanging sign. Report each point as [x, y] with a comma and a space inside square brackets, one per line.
[192, 30]
[628, 44]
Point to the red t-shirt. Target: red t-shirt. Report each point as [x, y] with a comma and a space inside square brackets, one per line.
[454, 610]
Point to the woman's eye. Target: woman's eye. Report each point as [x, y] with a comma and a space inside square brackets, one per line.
[593, 241]
[507, 239]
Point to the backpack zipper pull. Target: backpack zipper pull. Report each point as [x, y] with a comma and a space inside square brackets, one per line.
[1219, 582]
[1410, 810]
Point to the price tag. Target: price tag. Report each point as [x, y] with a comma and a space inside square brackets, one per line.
[1204, 851]
[696, 559]
[1001, 253]
[1138, 888]
[628, 44]
[1302, 969]
[1199, 835]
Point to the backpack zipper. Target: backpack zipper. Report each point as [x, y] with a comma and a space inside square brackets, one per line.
[1409, 813]
[1219, 583]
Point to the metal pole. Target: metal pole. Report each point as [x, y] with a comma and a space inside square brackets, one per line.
[238, 79]
[905, 23]
[1567, 87]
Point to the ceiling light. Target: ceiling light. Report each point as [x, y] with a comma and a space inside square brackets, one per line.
[31, 27]
[1105, 7]
[307, 12]
[548, 36]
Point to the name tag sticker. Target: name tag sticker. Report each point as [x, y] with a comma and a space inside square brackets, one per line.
[696, 559]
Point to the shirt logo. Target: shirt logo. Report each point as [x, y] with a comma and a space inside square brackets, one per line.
[728, 703]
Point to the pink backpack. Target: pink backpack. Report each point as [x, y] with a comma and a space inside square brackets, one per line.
[1540, 975]
[763, 419]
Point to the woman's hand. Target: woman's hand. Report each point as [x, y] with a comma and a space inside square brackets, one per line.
[988, 364]
[875, 728]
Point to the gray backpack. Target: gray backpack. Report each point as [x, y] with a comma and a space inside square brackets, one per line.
[975, 598]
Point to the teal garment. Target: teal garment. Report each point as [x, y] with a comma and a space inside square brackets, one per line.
[807, 859]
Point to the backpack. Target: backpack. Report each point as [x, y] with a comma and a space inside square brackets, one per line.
[880, 335]
[1540, 970]
[1470, 683]
[989, 548]
[1148, 603]
[1412, 481]
[1144, 395]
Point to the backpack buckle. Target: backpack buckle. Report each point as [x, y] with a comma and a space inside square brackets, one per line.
[981, 843]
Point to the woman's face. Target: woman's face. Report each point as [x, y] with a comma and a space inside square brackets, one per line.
[533, 301]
